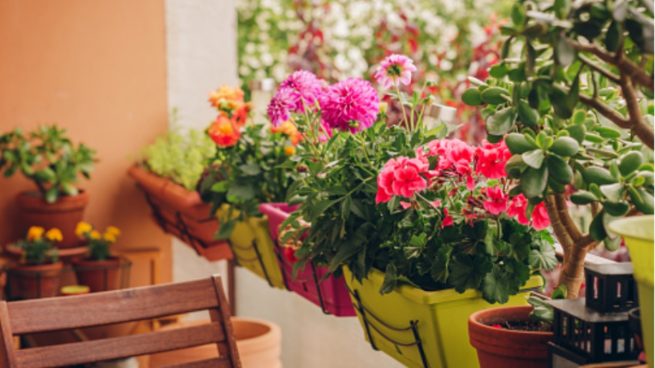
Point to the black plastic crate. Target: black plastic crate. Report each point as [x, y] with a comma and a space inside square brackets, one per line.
[610, 287]
[561, 357]
[597, 337]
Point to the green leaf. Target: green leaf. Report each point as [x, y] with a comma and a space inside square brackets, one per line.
[616, 208]
[494, 95]
[597, 227]
[559, 170]
[242, 192]
[577, 131]
[564, 51]
[527, 115]
[472, 97]
[612, 37]
[630, 162]
[250, 169]
[517, 143]
[642, 200]
[561, 103]
[582, 197]
[51, 195]
[534, 158]
[598, 175]
[498, 71]
[518, 14]
[534, 181]
[543, 258]
[565, 146]
[613, 192]
[501, 122]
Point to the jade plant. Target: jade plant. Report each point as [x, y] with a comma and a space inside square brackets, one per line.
[38, 246]
[48, 158]
[571, 99]
[179, 157]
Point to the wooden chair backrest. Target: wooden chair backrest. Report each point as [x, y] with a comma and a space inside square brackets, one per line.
[127, 305]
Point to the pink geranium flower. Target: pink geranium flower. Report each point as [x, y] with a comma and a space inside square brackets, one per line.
[496, 202]
[350, 105]
[447, 219]
[453, 155]
[540, 219]
[517, 208]
[394, 70]
[491, 159]
[401, 176]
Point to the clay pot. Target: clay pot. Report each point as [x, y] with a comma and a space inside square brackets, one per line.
[99, 275]
[34, 281]
[258, 343]
[182, 213]
[63, 214]
[503, 348]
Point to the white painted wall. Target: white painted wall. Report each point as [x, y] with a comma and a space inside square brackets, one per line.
[201, 51]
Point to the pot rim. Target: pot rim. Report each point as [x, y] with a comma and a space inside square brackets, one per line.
[474, 320]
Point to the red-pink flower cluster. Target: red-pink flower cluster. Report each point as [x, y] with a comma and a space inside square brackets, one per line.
[464, 171]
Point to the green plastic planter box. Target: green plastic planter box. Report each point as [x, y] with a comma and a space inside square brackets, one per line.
[421, 328]
[638, 234]
[253, 248]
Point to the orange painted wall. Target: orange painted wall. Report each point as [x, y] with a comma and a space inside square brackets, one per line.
[97, 68]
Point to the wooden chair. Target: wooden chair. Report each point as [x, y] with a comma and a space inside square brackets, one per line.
[127, 305]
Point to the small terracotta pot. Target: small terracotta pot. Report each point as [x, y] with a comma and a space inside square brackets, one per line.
[99, 275]
[503, 348]
[258, 343]
[63, 214]
[35, 281]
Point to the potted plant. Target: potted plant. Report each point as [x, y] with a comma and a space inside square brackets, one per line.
[421, 225]
[54, 164]
[253, 165]
[574, 110]
[37, 274]
[100, 271]
[168, 175]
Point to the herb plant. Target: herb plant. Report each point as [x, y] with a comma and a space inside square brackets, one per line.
[48, 158]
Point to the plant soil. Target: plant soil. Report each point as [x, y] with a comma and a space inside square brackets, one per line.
[523, 325]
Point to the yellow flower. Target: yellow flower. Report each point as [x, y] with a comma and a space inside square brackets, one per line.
[35, 233]
[95, 235]
[54, 235]
[113, 230]
[289, 150]
[82, 228]
[109, 237]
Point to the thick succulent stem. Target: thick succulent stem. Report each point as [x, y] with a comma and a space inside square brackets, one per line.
[572, 275]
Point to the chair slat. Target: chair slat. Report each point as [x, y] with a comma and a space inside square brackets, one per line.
[119, 347]
[128, 305]
[207, 363]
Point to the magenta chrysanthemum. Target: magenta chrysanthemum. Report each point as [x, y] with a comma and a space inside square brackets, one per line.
[305, 89]
[394, 70]
[351, 104]
[280, 106]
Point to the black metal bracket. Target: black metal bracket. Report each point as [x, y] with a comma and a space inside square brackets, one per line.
[369, 327]
[258, 257]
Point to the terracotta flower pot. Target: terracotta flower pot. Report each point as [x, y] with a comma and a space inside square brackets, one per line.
[63, 214]
[34, 281]
[99, 275]
[258, 342]
[182, 213]
[503, 348]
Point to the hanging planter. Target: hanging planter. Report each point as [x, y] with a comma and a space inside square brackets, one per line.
[421, 328]
[253, 247]
[500, 347]
[182, 213]
[310, 282]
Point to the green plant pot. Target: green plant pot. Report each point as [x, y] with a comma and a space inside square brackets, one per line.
[254, 249]
[638, 234]
[421, 328]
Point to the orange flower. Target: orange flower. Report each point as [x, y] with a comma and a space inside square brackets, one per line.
[224, 132]
[240, 114]
[290, 130]
[289, 150]
[226, 97]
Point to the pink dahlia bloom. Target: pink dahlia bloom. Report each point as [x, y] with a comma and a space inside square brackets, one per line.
[401, 176]
[350, 105]
[279, 109]
[491, 159]
[496, 201]
[305, 89]
[394, 70]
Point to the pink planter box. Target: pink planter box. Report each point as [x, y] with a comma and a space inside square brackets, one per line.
[328, 293]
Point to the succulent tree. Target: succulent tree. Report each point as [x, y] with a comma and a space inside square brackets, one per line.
[571, 97]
